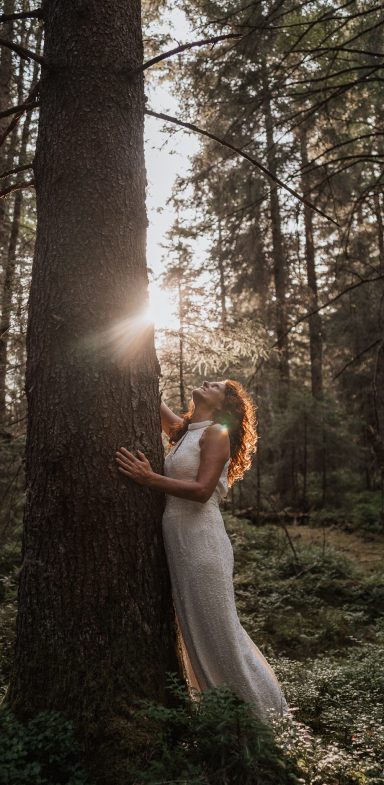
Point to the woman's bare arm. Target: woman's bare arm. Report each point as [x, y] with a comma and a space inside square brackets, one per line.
[214, 454]
[168, 418]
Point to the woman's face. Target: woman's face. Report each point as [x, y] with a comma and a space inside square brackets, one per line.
[212, 393]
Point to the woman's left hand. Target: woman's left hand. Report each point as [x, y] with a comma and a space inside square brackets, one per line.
[137, 469]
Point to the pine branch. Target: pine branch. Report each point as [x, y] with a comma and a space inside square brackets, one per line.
[9, 128]
[36, 13]
[20, 108]
[325, 78]
[357, 158]
[26, 54]
[316, 310]
[183, 47]
[15, 171]
[326, 49]
[357, 357]
[307, 93]
[257, 164]
[336, 146]
[331, 301]
[16, 187]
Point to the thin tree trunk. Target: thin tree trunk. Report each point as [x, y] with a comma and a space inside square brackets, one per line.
[314, 321]
[304, 500]
[380, 230]
[258, 475]
[223, 292]
[283, 484]
[10, 261]
[6, 72]
[278, 251]
[95, 629]
[183, 400]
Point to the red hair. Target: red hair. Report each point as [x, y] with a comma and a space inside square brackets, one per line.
[238, 414]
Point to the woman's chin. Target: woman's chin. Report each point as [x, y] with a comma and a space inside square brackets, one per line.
[197, 393]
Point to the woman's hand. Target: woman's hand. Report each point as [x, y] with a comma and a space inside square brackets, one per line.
[137, 469]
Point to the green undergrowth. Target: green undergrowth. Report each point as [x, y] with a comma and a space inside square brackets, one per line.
[316, 615]
[302, 601]
[42, 751]
[9, 559]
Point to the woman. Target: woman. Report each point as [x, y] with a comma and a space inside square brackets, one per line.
[212, 447]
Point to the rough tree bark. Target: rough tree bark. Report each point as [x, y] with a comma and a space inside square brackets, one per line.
[95, 629]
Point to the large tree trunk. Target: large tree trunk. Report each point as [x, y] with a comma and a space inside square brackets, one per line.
[95, 628]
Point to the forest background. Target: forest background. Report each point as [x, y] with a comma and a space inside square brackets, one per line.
[249, 281]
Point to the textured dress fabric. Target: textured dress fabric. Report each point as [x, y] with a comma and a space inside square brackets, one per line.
[215, 647]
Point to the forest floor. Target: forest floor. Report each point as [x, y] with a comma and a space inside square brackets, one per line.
[316, 612]
[366, 548]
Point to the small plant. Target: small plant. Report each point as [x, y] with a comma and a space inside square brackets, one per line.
[43, 751]
[213, 740]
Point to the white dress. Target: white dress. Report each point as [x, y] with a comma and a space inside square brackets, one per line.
[215, 647]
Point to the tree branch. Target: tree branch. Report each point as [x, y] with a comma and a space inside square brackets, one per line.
[36, 13]
[20, 108]
[30, 98]
[336, 146]
[26, 54]
[326, 49]
[15, 171]
[316, 310]
[357, 357]
[183, 47]
[16, 187]
[331, 301]
[202, 132]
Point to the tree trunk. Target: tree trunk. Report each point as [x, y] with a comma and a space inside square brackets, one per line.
[223, 292]
[278, 251]
[283, 484]
[5, 100]
[380, 230]
[95, 629]
[10, 261]
[314, 321]
[183, 400]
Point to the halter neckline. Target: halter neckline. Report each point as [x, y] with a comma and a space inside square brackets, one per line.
[193, 425]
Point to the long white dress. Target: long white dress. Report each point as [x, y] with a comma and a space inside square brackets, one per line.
[215, 647]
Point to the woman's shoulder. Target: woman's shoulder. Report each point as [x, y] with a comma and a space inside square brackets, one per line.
[215, 434]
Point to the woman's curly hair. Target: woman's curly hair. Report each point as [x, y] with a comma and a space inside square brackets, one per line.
[238, 415]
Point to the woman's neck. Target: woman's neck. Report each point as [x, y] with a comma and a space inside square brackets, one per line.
[201, 413]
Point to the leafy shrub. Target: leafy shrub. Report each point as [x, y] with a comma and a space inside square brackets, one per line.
[364, 511]
[217, 741]
[214, 739]
[9, 557]
[40, 752]
[303, 604]
[342, 700]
